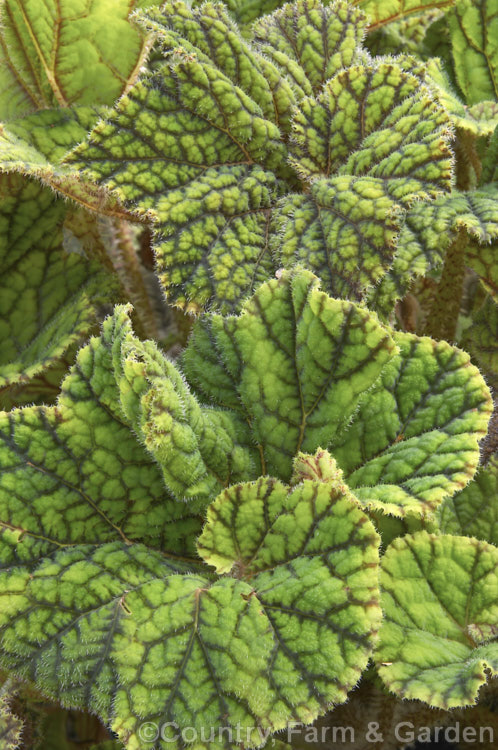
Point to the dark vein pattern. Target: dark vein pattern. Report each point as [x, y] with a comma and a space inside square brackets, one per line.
[438, 640]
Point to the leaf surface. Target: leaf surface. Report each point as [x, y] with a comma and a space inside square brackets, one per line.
[62, 53]
[438, 638]
[474, 34]
[414, 439]
[474, 510]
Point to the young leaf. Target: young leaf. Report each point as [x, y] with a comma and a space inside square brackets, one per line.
[76, 473]
[473, 28]
[438, 639]
[58, 54]
[298, 361]
[481, 119]
[314, 39]
[474, 510]
[48, 297]
[414, 438]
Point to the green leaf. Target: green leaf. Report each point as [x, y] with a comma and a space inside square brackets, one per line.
[479, 120]
[10, 725]
[204, 145]
[49, 298]
[394, 144]
[125, 632]
[474, 510]
[414, 439]
[54, 54]
[437, 641]
[321, 39]
[298, 361]
[210, 36]
[76, 474]
[277, 539]
[474, 31]
[375, 120]
[344, 230]
[382, 12]
[209, 199]
[427, 233]
[34, 146]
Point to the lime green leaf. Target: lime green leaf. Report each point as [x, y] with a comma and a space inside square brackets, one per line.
[300, 362]
[76, 474]
[194, 447]
[247, 11]
[394, 140]
[344, 230]
[474, 31]
[474, 510]
[289, 546]
[321, 39]
[206, 145]
[414, 439]
[137, 640]
[381, 12]
[428, 231]
[379, 121]
[441, 614]
[209, 199]
[10, 728]
[480, 119]
[35, 145]
[210, 36]
[49, 298]
[55, 54]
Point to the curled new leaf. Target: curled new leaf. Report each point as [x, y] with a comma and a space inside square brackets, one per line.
[438, 639]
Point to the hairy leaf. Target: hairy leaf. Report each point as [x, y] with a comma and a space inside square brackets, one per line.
[414, 438]
[311, 41]
[62, 53]
[207, 144]
[480, 119]
[344, 230]
[76, 474]
[474, 510]
[438, 638]
[428, 231]
[378, 121]
[298, 361]
[474, 34]
[136, 639]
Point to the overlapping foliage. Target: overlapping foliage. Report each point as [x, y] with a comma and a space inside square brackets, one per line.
[224, 537]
